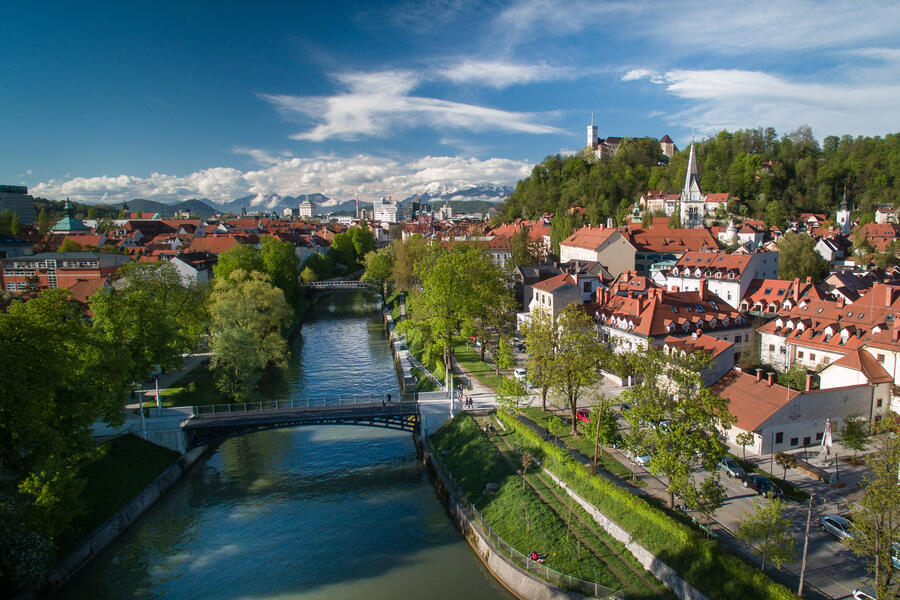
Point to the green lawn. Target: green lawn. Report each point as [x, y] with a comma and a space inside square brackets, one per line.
[197, 388]
[469, 359]
[121, 469]
[584, 443]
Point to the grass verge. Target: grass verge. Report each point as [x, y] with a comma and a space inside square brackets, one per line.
[470, 360]
[197, 388]
[121, 469]
[699, 560]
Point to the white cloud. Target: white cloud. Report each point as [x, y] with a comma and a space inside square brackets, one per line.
[378, 104]
[732, 99]
[338, 177]
[500, 74]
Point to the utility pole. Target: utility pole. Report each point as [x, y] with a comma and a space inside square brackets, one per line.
[158, 401]
[805, 546]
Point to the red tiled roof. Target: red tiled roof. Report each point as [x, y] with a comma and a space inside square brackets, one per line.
[661, 239]
[219, 243]
[752, 402]
[859, 360]
[589, 237]
[700, 343]
[555, 282]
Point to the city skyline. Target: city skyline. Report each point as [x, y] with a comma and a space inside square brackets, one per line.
[376, 99]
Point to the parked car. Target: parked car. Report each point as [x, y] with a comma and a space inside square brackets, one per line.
[866, 593]
[730, 467]
[840, 527]
[638, 457]
[520, 374]
[583, 414]
[520, 346]
[763, 485]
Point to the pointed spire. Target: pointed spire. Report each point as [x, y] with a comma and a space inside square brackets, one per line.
[692, 173]
[844, 201]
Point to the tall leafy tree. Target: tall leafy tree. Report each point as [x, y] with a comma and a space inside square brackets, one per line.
[282, 265]
[379, 264]
[244, 256]
[678, 419]
[769, 532]
[248, 319]
[575, 359]
[540, 340]
[876, 518]
[797, 258]
[151, 318]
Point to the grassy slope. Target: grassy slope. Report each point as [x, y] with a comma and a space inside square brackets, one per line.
[122, 468]
[470, 360]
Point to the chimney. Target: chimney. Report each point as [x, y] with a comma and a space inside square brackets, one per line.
[589, 226]
[771, 378]
[758, 374]
[809, 281]
[809, 382]
[696, 334]
[796, 290]
[703, 290]
[630, 294]
[888, 295]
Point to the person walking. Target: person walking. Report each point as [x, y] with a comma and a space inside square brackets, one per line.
[389, 399]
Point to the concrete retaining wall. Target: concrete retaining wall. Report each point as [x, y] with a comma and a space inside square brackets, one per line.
[117, 524]
[666, 574]
[520, 583]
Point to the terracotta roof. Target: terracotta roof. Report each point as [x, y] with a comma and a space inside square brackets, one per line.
[661, 239]
[859, 360]
[752, 402]
[700, 343]
[767, 291]
[218, 243]
[555, 282]
[589, 237]
[718, 197]
[714, 261]
[85, 288]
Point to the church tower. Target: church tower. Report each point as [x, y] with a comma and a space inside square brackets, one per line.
[843, 215]
[692, 200]
[592, 134]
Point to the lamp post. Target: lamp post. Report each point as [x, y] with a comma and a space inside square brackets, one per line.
[158, 401]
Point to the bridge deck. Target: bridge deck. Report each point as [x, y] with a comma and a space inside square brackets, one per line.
[298, 413]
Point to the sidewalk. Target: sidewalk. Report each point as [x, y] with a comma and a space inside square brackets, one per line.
[166, 380]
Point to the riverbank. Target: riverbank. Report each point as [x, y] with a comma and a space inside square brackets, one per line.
[117, 469]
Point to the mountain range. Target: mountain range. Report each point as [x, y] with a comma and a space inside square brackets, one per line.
[205, 208]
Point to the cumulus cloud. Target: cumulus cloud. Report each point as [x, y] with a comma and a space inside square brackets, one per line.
[378, 104]
[338, 177]
[733, 98]
[501, 74]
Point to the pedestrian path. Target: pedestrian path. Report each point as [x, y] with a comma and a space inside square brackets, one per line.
[166, 380]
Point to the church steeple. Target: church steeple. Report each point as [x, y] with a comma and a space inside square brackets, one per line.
[692, 176]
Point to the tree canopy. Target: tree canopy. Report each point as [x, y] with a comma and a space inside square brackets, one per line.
[797, 258]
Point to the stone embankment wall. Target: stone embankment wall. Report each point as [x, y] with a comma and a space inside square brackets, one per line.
[517, 581]
[117, 524]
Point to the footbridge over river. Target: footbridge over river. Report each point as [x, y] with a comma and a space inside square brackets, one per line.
[344, 284]
[215, 423]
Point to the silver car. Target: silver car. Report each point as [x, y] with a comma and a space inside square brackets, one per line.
[838, 526]
[731, 467]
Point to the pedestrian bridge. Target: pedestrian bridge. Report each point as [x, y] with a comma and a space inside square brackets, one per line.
[340, 285]
[215, 423]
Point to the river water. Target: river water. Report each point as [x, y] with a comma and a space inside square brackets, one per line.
[327, 512]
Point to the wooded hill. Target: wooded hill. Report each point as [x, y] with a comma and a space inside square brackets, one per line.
[775, 177]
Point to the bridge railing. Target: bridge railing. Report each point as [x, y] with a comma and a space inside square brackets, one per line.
[562, 580]
[333, 401]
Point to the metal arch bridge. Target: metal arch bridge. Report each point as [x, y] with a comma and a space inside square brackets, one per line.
[216, 423]
[340, 285]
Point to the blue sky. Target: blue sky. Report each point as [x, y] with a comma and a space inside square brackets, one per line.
[172, 100]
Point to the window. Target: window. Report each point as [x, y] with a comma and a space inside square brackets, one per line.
[737, 339]
[881, 358]
[783, 350]
[779, 437]
[878, 403]
[826, 359]
[806, 441]
[795, 441]
[51, 282]
[800, 354]
[10, 286]
[737, 356]
[812, 356]
[771, 347]
[20, 285]
[819, 436]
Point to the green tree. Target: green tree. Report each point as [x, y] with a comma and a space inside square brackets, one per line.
[363, 243]
[512, 395]
[605, 426]
[282, 265]
[317, 267]
[151, 319]
[243, 256]
[797, 258]
[745, 439]
[675, 220]
[70, 245]
[794, 378]
[786, 461]
[248, 319]
[876, 517]
[44, 223]
[676, 418]
[525, 251]
[505, 359]
[540, 339]
[379, 265]
[769, 532]
[576, 357]
[407, 254]
[854, 434]
[560, 228]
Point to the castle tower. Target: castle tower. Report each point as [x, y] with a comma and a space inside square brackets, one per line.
[592, 133]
